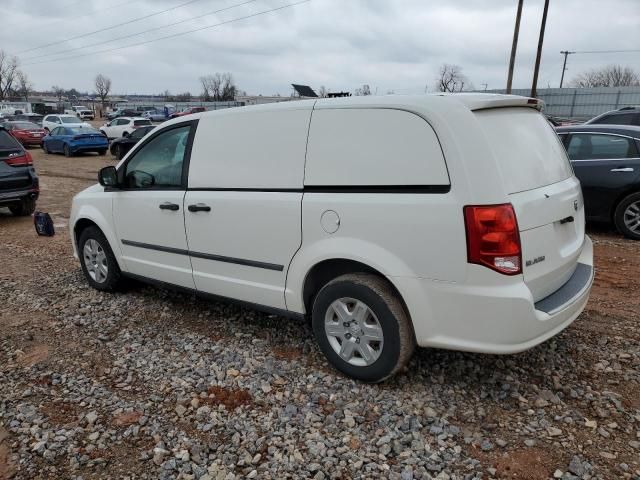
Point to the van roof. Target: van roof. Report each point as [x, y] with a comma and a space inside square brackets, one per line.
[436, 101]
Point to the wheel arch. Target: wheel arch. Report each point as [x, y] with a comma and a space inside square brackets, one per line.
[326, 270]
[89, 216]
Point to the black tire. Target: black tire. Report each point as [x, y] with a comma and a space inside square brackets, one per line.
[125, 134]
[380, 297]
[102, 152]
[113, 278]
[45, 148]
[629, 206]
[67, 151]
[25, 208]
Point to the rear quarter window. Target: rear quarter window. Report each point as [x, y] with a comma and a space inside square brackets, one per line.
[373, 147]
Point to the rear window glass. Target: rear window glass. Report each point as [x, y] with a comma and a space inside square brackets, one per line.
[369, 147]
[82, 131]
[26, 126]
[141, 122]
[617, 119]
[585, 146]
[69, 119]
[7, 141]
[527, 149]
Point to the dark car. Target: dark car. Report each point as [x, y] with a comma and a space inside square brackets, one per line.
[606, 160]
[120, 146]
[125, 112]
[19, 187]
[622, 116]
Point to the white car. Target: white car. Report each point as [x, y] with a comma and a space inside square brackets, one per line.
[50, 122]
[123, 126]
[85, 114]
[450, 221]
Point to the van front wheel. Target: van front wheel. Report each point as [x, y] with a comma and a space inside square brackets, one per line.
[362, 327]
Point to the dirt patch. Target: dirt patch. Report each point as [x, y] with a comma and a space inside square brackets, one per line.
[32, 355]
[286, 352]
[7, 467]
[231, 398]
[525, 464]
[60, 413]
[126, 419]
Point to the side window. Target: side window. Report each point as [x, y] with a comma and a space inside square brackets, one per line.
[159, 162]
[56, 131]
[584, 146]
[617, 119]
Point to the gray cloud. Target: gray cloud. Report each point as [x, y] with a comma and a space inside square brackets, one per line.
[391, 45]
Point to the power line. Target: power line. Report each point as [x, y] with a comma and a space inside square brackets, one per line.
[110, 27]
[173, 35]
[142, 32]
[608, 51]
[112, 7]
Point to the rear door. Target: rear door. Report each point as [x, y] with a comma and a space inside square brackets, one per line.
[606, 166]
[544, 192]
[243, 206]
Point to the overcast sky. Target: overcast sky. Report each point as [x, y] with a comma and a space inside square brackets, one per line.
[389, 44]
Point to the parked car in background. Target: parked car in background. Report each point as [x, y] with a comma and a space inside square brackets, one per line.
[390, 221]
[155, 115]
[188, 111]
[30, 117]
[120, 146]
[50, 122]
[19, 186]
[26, 133]
[72, 140]
[622, 116]
[85, 114]
[123, 126]
[123, 112]
[606, 160]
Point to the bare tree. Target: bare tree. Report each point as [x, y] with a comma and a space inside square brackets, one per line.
[219, 87]
[24, 85]
[362, 91]
[184, 97]
[58, 92]
[609, 76]
[322, 91]
[103, 87]
[451, 79]
[8, 73]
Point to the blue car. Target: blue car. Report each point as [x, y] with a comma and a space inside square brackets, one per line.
[72, 140]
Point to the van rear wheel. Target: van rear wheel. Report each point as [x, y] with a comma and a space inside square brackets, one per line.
[362, 327]
[627, 216]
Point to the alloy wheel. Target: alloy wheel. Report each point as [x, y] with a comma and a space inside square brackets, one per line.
[95, 259]
[632, 217]
[354, 332]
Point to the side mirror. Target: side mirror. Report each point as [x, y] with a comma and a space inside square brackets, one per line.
[108, 176]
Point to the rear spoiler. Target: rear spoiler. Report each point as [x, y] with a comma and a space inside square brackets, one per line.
[485, 101]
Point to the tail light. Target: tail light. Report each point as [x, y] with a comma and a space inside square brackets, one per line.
[23, 160]
[493, 239]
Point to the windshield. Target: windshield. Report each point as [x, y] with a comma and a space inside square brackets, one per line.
[69, 119]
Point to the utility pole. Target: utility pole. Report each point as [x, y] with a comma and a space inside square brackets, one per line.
[534, 84]
[564, 65]
[514, 46]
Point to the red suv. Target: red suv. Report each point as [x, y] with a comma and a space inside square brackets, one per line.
[188, 111]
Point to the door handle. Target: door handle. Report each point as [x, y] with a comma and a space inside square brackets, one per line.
[169, 206]
[627, 169]
[199, 207]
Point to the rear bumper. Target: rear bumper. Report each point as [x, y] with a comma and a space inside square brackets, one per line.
[89, 147]
[498, 318]
[13, 196]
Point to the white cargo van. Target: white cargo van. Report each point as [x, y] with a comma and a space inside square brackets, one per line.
[451, 221]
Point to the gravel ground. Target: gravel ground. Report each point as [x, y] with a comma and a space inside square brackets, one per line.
[150, 384]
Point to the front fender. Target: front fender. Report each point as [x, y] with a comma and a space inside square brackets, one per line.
[98, 212]
[333, 248]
